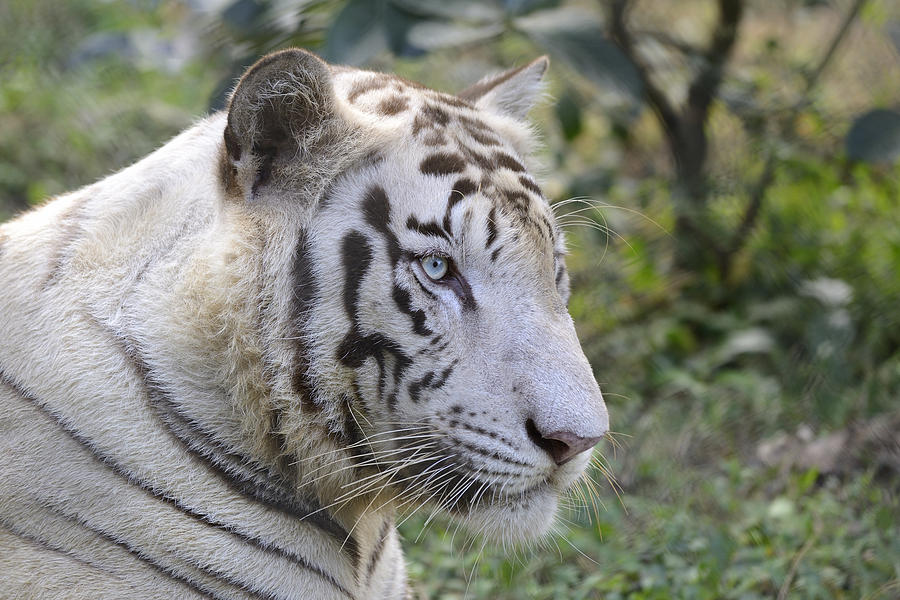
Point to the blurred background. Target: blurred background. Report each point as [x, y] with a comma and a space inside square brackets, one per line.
[728, 175]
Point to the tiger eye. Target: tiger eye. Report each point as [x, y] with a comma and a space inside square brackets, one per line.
[435, 266]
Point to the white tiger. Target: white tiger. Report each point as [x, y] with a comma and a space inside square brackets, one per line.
[226, 368]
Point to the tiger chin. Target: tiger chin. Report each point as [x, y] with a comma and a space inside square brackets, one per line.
[226, 369]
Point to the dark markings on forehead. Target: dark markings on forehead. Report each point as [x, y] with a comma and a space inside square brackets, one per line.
[530, 185]
[375, 82]
[516, 200]
[393, 105]
[435, 138]
[506, 161]
[496, 253]
[482, 161]
[484, 139]
[479, 131]
[436, 115]
[431, 228]
[449, 100]
[461, 189]
[474, 124]
[377, 211]
[442, 163]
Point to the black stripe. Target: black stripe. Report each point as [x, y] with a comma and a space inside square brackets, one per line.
[425, 289]
[506, 161]
[377, 211]
[156, 494]
[305, 291]
[404, 302]
[491, 227]
[376, 551]
[517, 200]
[355, 348]
[356, 255]
[431, 228]
[143, 557]
[489, 453]
[559, 274]
[45, 546]
[527, 182]
[106, 461]
[482, 160]
[461, 189]
[241, 473]
[376, 82]
[442, 163]
[436, 115]
[445, 375]
[416, 387]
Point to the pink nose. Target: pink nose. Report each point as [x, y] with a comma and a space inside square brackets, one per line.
[562, 446]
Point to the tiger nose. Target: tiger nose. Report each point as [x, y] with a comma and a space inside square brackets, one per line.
[562, 446]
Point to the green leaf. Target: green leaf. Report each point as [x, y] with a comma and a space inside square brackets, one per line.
[577, 38]
[875, 137]
[568, 111]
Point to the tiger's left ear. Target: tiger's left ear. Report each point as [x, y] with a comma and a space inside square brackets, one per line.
[511, 93]
[283, 127]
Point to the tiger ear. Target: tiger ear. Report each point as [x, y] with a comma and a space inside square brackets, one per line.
[512, 93]
[281, 110]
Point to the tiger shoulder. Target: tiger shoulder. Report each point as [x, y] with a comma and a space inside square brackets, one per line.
[228, 369]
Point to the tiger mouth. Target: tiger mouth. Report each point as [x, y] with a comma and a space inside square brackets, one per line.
[464, 489]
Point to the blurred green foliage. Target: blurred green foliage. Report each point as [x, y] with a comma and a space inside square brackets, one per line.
[781, 316]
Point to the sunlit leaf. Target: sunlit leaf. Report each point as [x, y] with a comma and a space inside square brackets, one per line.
[431, 35]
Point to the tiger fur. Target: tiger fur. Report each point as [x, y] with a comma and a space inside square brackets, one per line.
[226, 368]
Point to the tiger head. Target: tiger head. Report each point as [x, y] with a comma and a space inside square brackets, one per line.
[427, 314]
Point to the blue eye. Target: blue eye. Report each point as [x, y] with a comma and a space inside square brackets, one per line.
[435, 266]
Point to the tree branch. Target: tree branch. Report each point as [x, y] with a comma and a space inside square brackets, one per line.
[813, 78]
[757, 196]
[658, 101]
[706, 84]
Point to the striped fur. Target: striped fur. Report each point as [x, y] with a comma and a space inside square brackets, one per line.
[224, 372]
